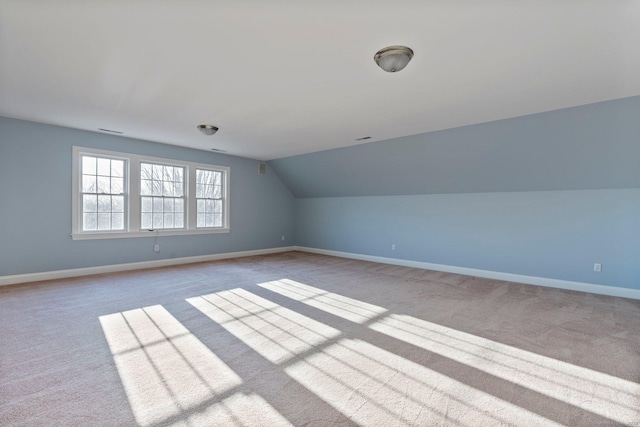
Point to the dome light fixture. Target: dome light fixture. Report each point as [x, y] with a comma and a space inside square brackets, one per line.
[207, 129]
[393, 58]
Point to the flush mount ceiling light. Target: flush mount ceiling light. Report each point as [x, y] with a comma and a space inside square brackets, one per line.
[393, 58]
[207, 129]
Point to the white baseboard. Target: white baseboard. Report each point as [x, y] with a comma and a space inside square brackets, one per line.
[87, 271]
[518, 278]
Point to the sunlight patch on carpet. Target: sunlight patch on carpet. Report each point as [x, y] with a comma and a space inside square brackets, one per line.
[375, 387]
[367, 384]
[275, 332]
[165, 369]
[603, 394]
[338, 305]
[237, 410]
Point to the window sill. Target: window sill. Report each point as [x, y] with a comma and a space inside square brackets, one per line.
[146, 233]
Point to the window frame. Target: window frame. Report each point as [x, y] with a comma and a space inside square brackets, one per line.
[184, 197]
[132, 191]
[206, 199]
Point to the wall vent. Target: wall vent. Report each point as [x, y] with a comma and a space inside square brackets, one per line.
[262, 168]
[217, 150]
[363, 138]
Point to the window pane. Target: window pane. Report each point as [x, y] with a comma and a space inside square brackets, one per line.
[199, 176]
[88, 184]
[146, 171]
[167, 173]
[104, 167]
[90, 221]
[201, 206]
[89, 165]
[209, 206]
[117, 204]
[104, 184]
[147, 204]
[117, 221]
[167, 188]
[178, 220]
[157, 172]
[217, 178]
[89, 203]
[168, 220]
[201, 221]
[147, 221]
[157, 205]
[157, 220]
[157, 188]
[104, 221]
[179, 207]
[178, 189]
[117, 168]
[217, 192]
[117, 186]
[104, 204]
[179, 175]
[217, 206]
[209, 220]
[199, 190]
[217, 220]
[146, 187]
[168, 205]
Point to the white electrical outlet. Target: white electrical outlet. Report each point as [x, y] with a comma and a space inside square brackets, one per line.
[156, 248]
[283, 238]
[393, 247]
[597, 267]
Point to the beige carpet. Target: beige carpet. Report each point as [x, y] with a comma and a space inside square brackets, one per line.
[300, 339]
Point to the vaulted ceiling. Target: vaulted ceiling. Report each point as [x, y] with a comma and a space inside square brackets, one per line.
[281, 78]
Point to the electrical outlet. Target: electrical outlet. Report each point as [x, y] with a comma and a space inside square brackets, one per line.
[156, 248]
[283, 238]
[393, 247]
[597, 267]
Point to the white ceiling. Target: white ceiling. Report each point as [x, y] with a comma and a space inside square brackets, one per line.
[282, 78]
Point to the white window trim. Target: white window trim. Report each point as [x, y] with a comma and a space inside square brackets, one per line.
[132, 216]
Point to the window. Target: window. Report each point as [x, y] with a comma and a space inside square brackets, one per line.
[209, 198]
[127, 195]
[162, 191]
[103, 194]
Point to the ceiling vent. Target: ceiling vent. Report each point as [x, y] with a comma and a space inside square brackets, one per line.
[110, 131]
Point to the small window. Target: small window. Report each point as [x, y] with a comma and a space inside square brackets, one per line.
[209, 199]
[162, 196]
[103, 194]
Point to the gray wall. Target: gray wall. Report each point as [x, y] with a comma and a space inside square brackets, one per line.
[35, 194]
[552, 234]
[544, 195]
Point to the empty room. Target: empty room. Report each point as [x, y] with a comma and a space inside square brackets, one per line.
[321, 213]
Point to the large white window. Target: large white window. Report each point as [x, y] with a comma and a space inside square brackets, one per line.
[162, 196]
[127, 195]
[103, 195]
[209, 198]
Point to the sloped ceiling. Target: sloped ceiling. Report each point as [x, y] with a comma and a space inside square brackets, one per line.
[282, 78]
[588, 147]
